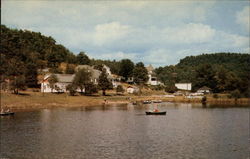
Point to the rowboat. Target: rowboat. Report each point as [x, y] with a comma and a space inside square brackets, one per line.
[155, 113]
[6, 113]
[157, 101]
[147, 102]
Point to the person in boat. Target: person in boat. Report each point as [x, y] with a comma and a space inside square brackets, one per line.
[156, 110]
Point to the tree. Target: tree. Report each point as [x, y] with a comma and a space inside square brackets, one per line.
[126, 68]
[82, 59]
[70, 69]
[119, 89]
[81, 79]
[72, 89]
[90, 88]
[140, 74]
[17, 83]
[104, 83]
[171, 88]
[31, 75]
[52, 81]
[205, 76]
[235, 94]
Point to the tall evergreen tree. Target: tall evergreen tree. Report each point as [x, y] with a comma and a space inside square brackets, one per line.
[126, 68]
[140, 74]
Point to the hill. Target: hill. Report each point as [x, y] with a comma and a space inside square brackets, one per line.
[220, 71]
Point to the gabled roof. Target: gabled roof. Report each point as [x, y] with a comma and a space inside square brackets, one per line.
[63, 78]
[95, 73]
[204, 88]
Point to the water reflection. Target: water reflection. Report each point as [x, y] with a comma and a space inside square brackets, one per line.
[124, 131]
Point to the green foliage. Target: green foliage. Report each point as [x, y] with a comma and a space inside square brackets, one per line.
[23, 52]
[222, 72]
[120, 89]
[126, 68]
[81, 79]
[17, 83]
[31, 75]
[113, 65]
[82, 59]
[104, 83]
[171, 88]
[72, 89]
[52, 81]
[205, 76]
[235, 94]
[90, 88]
[140, 74]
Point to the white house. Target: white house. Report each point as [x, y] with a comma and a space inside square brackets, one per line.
[152, 79]
[184, 86]
[63, 81]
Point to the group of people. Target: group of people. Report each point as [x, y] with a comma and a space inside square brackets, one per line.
[5, 110]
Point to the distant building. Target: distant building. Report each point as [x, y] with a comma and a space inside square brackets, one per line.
[184, 86]
[152, 79]
[204, 89]
[63, 81]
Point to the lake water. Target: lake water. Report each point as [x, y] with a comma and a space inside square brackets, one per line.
[125, 132]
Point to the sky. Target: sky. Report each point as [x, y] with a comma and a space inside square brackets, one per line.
[155, 32]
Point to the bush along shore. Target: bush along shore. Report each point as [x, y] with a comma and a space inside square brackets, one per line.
[36, 100]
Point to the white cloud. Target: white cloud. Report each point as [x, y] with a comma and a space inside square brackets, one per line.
[243, 17]
[156, 32]
[109, 32]
[114, 55]
[190, 33]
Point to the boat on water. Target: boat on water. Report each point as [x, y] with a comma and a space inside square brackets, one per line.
[157, 101]
[6, 113]
[155, 113]
[147, 102]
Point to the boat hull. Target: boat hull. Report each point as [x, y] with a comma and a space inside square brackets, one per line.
[156, 113]
[5, 114]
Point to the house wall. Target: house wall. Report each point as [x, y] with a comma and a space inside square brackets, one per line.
[184, 86]
[45, 87]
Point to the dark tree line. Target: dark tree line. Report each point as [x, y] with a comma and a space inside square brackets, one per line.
[222, 72]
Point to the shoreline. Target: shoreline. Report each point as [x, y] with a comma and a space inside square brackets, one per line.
[37, 101]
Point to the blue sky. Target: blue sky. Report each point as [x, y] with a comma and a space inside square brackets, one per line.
[154, 32]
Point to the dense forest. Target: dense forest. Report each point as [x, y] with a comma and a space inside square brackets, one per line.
[222, 72]
[24, 52]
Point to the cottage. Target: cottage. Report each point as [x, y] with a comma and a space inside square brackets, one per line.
[152, 79]
[184, 86]
[63, 81]
[204, 89]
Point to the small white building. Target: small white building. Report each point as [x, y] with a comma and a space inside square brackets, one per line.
[184, 86]
[152, 79]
